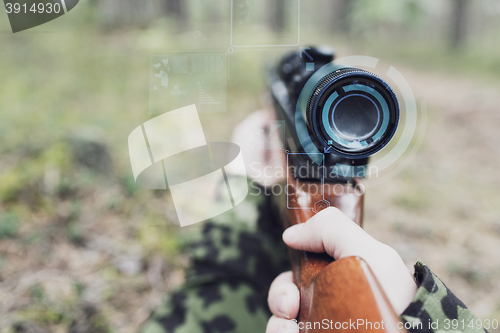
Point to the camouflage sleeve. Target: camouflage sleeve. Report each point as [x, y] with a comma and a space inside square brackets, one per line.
[234, 259]
[436, 309]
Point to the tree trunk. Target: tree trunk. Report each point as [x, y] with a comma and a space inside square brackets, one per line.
[176, 9]
[114, 13]
[341, 18]
[459, 22]
[277, 19]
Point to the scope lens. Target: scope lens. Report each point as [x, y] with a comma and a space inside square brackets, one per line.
[354, 112]
[355, 117]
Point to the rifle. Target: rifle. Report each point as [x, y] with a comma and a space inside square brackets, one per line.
[335, 117]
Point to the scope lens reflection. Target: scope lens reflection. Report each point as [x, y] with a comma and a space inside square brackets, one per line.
[355, 117]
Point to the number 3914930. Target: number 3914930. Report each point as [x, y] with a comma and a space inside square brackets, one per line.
[36, 8]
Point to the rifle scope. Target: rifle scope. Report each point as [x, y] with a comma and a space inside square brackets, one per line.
[349, 112]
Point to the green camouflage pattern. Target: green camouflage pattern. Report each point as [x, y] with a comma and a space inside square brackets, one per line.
[235, 257]
[436, 309]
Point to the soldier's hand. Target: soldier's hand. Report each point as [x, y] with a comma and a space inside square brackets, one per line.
[333, 232]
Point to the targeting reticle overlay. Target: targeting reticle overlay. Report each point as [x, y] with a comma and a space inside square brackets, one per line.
[26, 14]
[324, 113]
[177, 80]
[170, 151]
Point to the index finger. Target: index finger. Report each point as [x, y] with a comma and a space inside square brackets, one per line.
[329, 231]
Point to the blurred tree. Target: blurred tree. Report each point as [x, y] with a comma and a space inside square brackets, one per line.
[459, 22]
[277, 15]
[114, 13]
[341, 18]
[176, 9]
[214, 14]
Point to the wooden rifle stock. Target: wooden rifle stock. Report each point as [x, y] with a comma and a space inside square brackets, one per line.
[335, 294]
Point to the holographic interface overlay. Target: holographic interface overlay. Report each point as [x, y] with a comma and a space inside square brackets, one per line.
[177, 80]
[375, 130]
[170, 152]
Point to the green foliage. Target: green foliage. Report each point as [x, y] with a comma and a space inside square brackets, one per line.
[58, 155]
[2, 262]
[23, 178]
[155, 238]
[74, 233]
[37, 292]
[45, 316]
[9, 224]
[413, 200]
[129, 185]
[79, 288]
[373, 14]
[468, 272]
